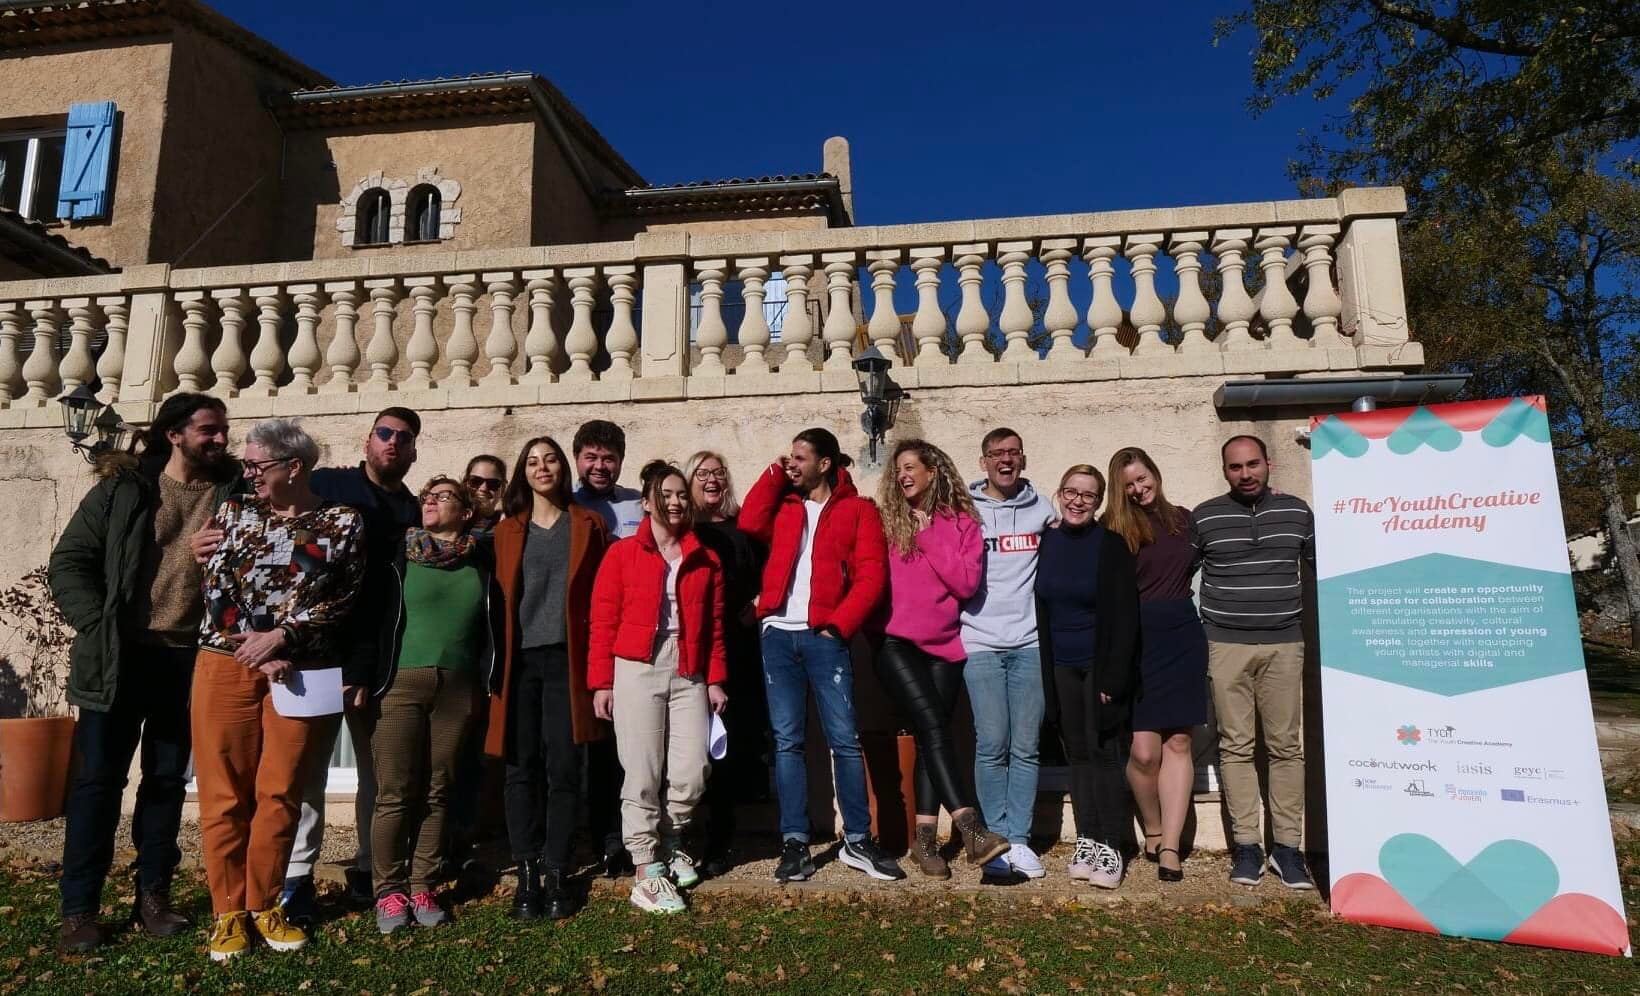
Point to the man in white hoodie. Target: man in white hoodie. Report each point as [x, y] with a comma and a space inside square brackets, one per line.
[1004, 671]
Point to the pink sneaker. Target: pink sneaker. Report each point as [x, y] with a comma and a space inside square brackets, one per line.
[392, 912]
[1083, 859]
[428, 912]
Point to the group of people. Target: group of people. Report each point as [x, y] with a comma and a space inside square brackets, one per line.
[641, 652]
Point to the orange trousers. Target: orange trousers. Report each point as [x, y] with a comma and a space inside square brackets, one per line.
[248, 764]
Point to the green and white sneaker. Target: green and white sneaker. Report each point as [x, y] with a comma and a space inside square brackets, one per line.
[683, 869]
[655, 893]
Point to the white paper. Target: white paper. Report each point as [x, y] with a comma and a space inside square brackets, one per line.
[717, 738]
[309, 693]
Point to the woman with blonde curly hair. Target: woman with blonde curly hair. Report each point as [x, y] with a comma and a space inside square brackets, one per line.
[936, 557]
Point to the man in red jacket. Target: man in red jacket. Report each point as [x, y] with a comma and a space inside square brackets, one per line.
[827, 569]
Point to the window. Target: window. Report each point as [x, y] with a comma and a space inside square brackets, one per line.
[424, 209]
[31, 170]
[374, 212]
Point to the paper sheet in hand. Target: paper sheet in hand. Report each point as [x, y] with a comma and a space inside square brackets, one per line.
[717, 738]
[309, 693]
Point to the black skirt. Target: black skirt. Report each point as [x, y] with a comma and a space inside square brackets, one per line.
[1172, 666]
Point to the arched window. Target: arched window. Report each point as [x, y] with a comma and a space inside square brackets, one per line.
[423, 214]
[374, 212]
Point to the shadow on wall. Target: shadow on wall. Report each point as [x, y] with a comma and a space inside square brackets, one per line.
[13, 694]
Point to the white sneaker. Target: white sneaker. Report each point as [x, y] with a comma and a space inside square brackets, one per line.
[1025, 861]
[1082, 859]
[1107, 867]
[683, 870]
[655, 893]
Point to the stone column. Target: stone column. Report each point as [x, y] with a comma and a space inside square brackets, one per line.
[191, 363]
[111, 365]
[462, 349]
[40, 369]
[622, 339]
[884, 327]
[1060, 318]
[268, 358]
[839, 326]
[11, 371]
[973, 321]
[304, 351]
[1321, 304]
[1191, 310]
[711, 335]
[382, 352]
[76, 367]
[1275, 301]
[582, 341]
[500, 346]
[343, 355]
[1148, 313]
[1016, 318]
[797, 330]
[928, 324]
[228, 360]
[754, 325]
[1236, 309]
[1104, 314]
[541, 344]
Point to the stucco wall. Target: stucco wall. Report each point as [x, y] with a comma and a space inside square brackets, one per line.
[135, 77]
[561, 212]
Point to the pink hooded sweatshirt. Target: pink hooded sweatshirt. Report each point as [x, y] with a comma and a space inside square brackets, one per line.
[928, 586]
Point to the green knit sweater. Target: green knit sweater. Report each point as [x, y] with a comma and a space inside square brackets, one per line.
[443, 617]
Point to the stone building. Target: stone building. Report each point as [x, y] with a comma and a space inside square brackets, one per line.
[185, 206]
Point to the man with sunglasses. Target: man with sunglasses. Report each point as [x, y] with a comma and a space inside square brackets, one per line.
[486, 478]
[375, 488]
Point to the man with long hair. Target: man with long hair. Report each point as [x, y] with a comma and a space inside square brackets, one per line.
[132, 662]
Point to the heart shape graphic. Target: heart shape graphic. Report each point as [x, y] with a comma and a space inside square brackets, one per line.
[1488, 897]
[1424, 428]
[1519, 419]
[1333, 435]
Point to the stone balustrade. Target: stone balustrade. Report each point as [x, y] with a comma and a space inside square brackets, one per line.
[1118, 295]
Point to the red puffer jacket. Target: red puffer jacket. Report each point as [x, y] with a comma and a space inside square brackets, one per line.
[626, 609]
[850, 558]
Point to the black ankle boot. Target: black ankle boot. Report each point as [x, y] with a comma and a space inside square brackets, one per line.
[559, 896]
[527, 901]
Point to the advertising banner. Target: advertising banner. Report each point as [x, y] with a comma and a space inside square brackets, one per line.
[1464, 791]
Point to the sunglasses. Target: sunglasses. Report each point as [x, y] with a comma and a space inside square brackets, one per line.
[403, 437]
[440, 498]
[485, 483]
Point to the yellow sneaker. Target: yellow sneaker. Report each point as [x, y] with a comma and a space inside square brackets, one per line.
[231, 936]
[277, 932]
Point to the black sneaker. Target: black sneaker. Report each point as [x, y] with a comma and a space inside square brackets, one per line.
[1247, 864]
[301, 901]
[866, 856]
[795, 863]
[618, 863]
[1288, 864]
[361, 889]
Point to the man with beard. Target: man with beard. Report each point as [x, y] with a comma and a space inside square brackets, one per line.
[124, 578]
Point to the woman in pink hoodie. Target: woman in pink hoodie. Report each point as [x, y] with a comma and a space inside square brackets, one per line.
[936, 558]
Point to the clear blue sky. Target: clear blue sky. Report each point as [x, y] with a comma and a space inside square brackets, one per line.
[953, 110]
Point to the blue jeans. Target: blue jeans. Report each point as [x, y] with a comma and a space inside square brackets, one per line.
[794, 662]
[1005, 690]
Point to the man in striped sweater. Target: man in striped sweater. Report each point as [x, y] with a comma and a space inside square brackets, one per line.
[1252, 543]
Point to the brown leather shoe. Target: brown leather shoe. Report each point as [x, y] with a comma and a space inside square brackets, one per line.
[981, 844]
[925, 850]
[79, 933]
[154, 914]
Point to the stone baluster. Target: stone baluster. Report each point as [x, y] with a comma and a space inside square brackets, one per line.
[928, 324]
[40, 369]
[11, 372]
[796, 331]
[711, 335]
[1104, 314]
[77, 366]
[462, 349]
[973, 321]
[304, 349]
[622, 340]
[1060, 317]
[582, 341]
[1321, 303]
[541, 344]
[1236, 309]
[381, 352]
[884, 326]
[421, 352]
[1148, 312]
[1016, 319]
[839, 326]
[1275, 301]
[111, 364]
[228, 360]
[191, 362]
[267, 358]
[754, 325]
[1191, 310]
[500, 346]
[343, 355]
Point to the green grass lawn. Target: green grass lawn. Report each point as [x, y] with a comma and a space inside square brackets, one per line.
[737, 943]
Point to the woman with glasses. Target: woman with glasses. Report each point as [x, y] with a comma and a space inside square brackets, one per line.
[742, 775]
[485, 478]
[277, 588]
[434, 659]
[936, 557]
[1173, 667]
[547, 552]
[1087, 613]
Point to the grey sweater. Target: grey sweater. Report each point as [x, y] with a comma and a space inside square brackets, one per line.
[1252, 556]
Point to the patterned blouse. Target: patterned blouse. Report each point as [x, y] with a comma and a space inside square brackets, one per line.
[301, 572]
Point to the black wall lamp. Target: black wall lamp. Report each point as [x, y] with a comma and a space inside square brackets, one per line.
[880, 395]
[84, 416]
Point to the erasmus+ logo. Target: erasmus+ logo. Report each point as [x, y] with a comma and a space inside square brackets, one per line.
[1408, 735]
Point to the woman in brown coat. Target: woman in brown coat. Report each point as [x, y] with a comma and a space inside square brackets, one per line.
[546, 554]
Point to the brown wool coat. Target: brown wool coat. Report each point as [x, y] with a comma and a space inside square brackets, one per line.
[588, 539]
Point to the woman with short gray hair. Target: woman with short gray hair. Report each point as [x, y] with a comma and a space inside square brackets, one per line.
[276, 590]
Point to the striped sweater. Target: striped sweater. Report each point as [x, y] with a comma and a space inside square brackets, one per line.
[1250, 555]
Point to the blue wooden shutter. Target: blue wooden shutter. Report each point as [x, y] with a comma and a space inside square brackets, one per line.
[86, 158]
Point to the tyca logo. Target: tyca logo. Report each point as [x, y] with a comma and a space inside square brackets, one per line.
[1012, 543]
[1408, 735]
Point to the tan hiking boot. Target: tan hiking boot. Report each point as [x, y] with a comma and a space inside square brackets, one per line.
[926, 852]
[981, 844]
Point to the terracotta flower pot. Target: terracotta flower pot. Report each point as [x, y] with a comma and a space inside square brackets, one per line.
[34, 758]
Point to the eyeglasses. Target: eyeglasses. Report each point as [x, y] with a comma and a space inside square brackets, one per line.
[1071, 495]
[439, 497]
[256, 468]
[1014, 452]
[706, 474]
[404, 437]
[485, 483]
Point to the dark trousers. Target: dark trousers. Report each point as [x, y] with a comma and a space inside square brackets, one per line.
[743, 774]
[604, 778]
[542, 761]
[150, 709]
[1100, 797]
[925, 690]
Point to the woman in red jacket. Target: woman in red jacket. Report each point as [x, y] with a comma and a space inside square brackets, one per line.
[656, 665]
